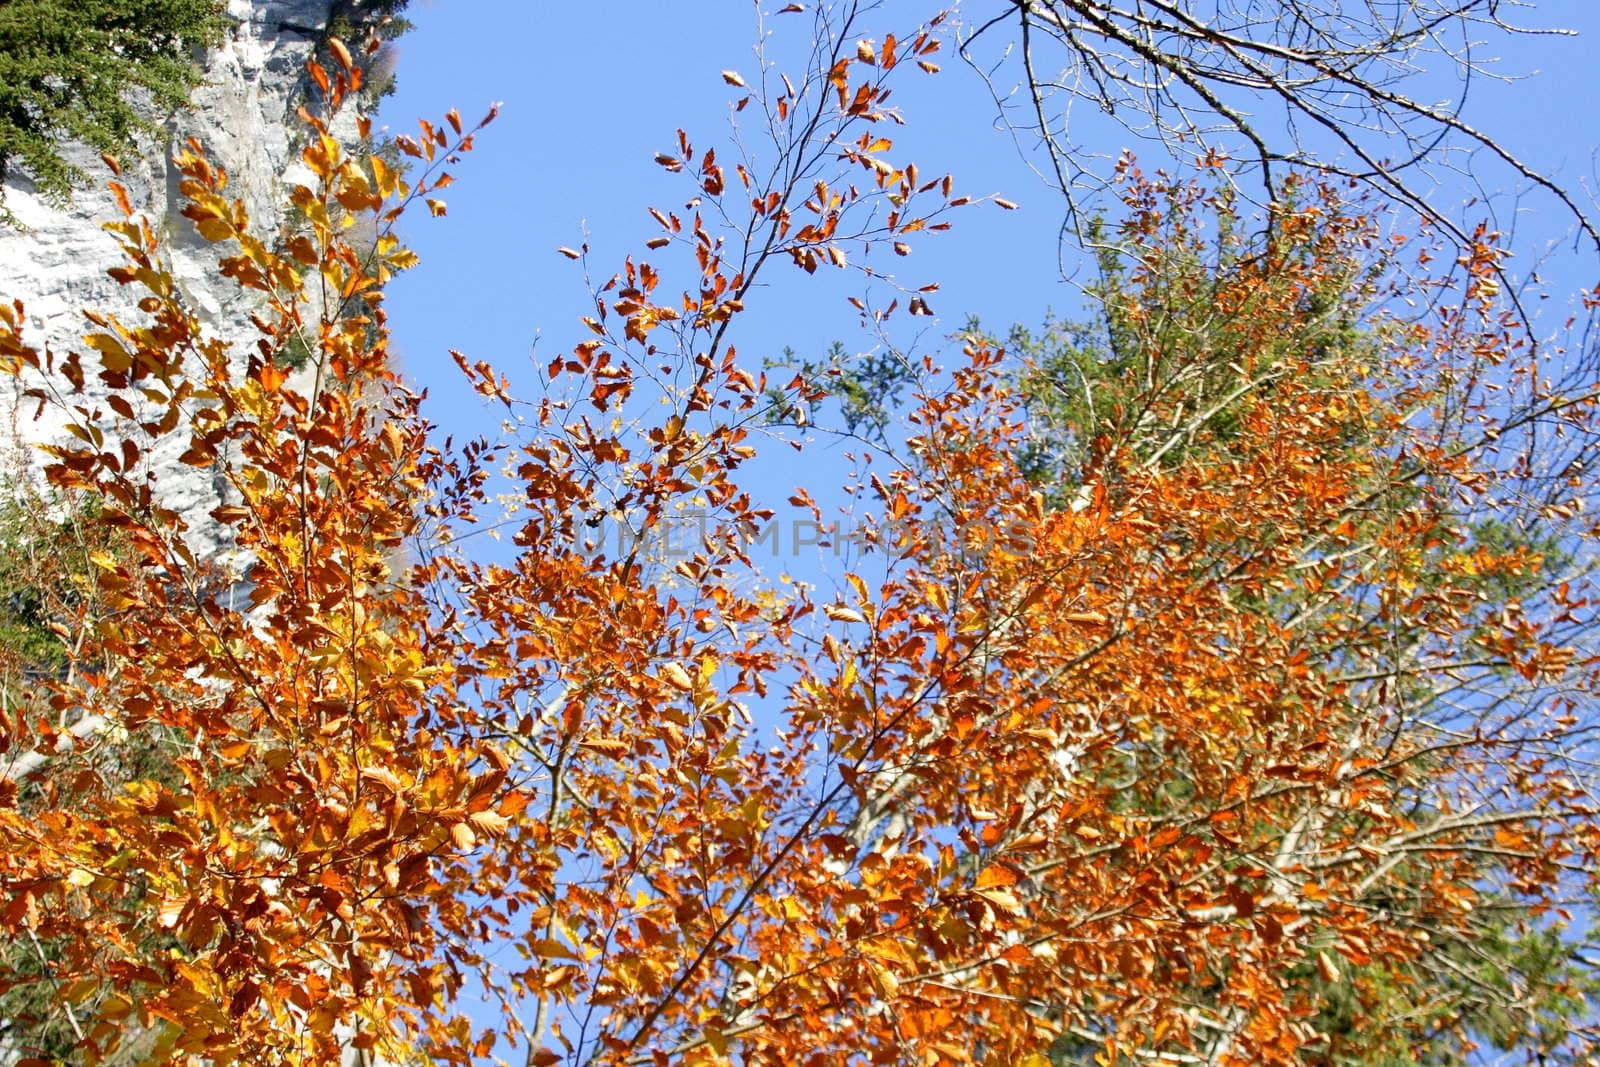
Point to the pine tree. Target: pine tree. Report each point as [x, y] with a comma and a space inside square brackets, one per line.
[74, 70]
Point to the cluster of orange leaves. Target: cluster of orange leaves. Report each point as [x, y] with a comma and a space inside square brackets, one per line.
[716, 818]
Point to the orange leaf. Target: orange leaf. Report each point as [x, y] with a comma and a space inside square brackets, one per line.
[340, 53]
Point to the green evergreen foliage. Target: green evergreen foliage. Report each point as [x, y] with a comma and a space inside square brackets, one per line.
[73, 70]
[1163, 372]
[1510, 995]
[40, 579]
[368, 28]
[382, 17]
[296, 353]
[867, 387]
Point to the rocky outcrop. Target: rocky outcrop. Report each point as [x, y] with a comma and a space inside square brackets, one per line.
[243, 115]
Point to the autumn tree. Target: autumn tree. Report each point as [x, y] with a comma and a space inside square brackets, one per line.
[1161, 380]
[1119, 772]
[216, 910]
[1412, 718]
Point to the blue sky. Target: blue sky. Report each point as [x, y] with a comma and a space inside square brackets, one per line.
[570, 159]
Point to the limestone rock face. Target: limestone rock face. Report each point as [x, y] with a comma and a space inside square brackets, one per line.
[243, 115]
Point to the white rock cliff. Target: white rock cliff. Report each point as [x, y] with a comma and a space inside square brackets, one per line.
[243, 114]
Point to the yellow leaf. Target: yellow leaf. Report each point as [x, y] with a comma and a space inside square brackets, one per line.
[383, 176]
[235, 750]
[1001, 899]
[490, 822]
[839, 613]
[384, 777]
[170, 911]
[998, 876]
[114, 357]
[732, 78]
[550, 948]
[214, 229]
[79, 991]
[676, 676]
[340, 52]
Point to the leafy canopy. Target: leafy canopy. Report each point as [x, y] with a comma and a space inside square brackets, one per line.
[1113, 778]
[94, 72]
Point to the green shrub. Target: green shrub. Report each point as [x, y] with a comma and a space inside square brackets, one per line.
[69, 70]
